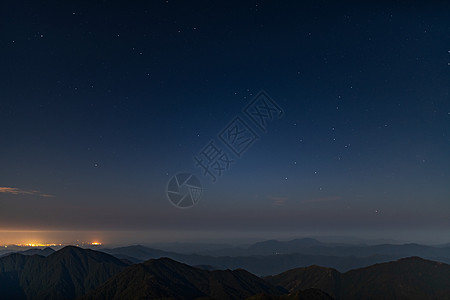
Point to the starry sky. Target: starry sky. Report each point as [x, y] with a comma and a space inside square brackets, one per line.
[102, 102]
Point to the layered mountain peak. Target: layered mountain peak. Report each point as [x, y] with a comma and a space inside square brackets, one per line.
[166, 278]
[65, 274]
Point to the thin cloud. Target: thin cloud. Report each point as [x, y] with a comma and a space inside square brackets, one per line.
[279, 201]
[17, 191]
[324, 199]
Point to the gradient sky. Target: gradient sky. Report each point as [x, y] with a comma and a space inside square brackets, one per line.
[101, 103]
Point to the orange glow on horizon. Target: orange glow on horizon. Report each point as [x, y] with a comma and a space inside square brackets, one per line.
[38, 245]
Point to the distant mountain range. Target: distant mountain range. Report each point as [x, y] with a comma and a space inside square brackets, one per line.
[75, 273]
[43, 252]
[257, 264]
[273, 257]
[311, 246]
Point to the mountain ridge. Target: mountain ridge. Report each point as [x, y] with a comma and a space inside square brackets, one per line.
[406, 278]
[166, 278]
[76, 273]
[64, 274]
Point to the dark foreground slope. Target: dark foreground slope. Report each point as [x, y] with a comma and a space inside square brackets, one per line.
[308, 294]
[315, 277]
[72, 273]
[167, 279]
[65, 274]
[408, 278]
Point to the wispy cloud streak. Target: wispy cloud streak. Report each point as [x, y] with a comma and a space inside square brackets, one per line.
[17, 191]
[278, 201]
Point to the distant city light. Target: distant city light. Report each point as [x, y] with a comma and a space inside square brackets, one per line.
[39, 244]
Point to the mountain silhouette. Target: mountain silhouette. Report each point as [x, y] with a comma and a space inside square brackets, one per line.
[310, 246]
[256, 264]
[43, 252]
[286, 247]
[165, 278]
[325, 279]
[408, 278]
[137, 252]
[308, 294]
[273, 257]
[75, 273]
[65, 274]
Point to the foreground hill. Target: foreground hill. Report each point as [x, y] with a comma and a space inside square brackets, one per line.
[408, 278]
[325, 279]
[65, 274]
[308, 294]
[167, 279]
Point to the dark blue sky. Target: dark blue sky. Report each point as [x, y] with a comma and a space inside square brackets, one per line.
[101, 103]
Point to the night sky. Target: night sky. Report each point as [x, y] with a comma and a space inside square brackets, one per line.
[101, 103]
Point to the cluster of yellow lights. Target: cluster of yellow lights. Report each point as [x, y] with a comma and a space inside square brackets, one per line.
[38, 245]
[51, 245]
